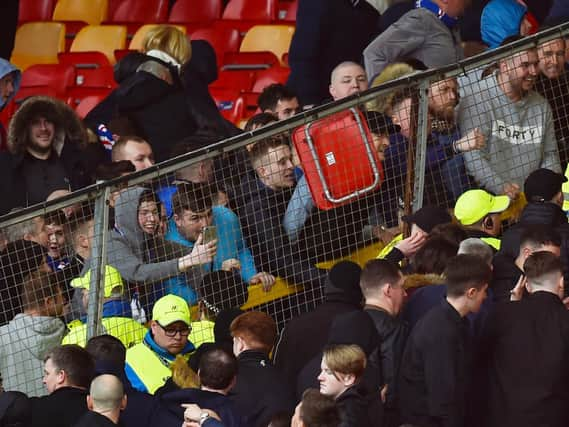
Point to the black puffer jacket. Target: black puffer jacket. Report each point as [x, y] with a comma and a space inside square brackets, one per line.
[539, 214]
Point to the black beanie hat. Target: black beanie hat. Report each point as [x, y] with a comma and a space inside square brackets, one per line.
[343, 283]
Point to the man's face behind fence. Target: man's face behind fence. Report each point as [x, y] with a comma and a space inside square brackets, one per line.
[520, 71]
[552, 58]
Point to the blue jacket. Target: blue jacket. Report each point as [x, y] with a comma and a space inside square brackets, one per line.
[230, 242]
[501, 19]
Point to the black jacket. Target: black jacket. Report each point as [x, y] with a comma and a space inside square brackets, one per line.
[260, 391]
[505, 275]
[539, 214]
[94, 419]
[320, 43]
[261, 213]
[305, 336]
[526, 347]
[393, 334]
[62, 408]
[435, 368]
[220, 404]
[360, 408]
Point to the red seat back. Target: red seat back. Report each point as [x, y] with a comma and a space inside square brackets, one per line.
[48, 79]
[229, 103]
[35, 10]
[142, 11]
[195, 11]
[87, 104]
[251, 10]
[270, 76]
[221, 39]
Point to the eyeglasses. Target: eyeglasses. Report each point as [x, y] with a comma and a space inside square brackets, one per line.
[172, 332]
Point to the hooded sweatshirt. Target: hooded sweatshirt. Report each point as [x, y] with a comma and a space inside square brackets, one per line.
[129, 251]
[24, 344]
[127, 248]
[5, 69]
[501, 19]
[520, 136]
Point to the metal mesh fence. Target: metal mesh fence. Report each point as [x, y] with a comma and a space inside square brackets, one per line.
[258, 220]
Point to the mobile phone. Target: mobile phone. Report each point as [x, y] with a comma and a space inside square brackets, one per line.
[209, 233]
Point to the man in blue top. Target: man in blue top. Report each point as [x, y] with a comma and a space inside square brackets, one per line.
[193, 210]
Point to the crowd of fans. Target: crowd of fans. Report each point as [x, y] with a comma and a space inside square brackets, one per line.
[458, 319]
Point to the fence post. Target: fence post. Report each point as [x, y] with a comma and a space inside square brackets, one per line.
[98, 263]
[421, 149]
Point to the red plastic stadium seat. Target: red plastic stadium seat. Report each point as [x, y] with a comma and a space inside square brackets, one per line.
[270, 76]
[195, 12]
[135, 13]
[84, 60]
[229, 102]
[251, 10]
[35, 10]
[239, 80]
[46, 79]
[87, 104]
[287, 10]
[221, 39]
[77, 94]
[249, 60]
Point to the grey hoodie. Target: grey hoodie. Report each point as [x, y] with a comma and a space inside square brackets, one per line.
[24, 344]
[5, 69]
[127, 246]
[520, 136]
[418, 34]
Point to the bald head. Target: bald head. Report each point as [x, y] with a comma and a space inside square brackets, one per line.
[346, 79]
[106, 394]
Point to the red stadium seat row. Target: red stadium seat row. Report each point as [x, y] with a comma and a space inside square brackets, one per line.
[132, 12]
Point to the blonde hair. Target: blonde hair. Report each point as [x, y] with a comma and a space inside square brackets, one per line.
[391, 72]
[170, 40]
[182, 375]
[345, 359]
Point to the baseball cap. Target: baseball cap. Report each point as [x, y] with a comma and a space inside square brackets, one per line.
[428, 217]
[113, 281]
[542, 185]
[170, 309]
[473, 205]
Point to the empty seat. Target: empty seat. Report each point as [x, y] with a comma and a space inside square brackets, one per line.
[38, 43]
[52, 79]
[35, 10]
[229, 103]
[271, 38]
[202, 12]
[239, 80]
[270, 76]
[251, 10]
[138, 39]
[134, 13]
[222, 39]
[92, 12]
[100, 38]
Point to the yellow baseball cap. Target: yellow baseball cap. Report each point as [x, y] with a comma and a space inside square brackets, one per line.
[170, 309]
[473, 205]
[113, 281]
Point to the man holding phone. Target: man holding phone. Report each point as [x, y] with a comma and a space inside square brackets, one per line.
[195, 215]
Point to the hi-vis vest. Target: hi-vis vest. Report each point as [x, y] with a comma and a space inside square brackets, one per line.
[492, 241]
[129, 331]
[565, 189]
[152, 370]
[387, 248]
